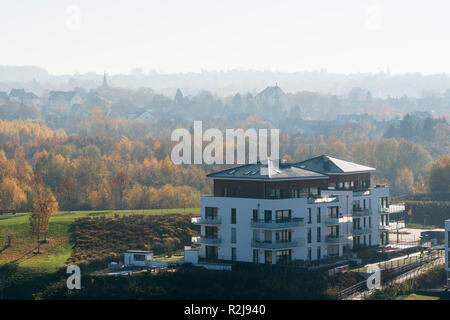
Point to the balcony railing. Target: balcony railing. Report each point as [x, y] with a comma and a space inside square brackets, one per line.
[384, 227]
[278, 245]
[207, 221]
[333, 220]
[336, 239]
[360, 212]
[206, 240]
[359, 231]
[278, 224]
[393, 208]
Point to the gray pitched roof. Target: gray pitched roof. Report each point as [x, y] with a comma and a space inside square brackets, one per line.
[253, 172]
[66, 95]
[20, 93]
[328, 165]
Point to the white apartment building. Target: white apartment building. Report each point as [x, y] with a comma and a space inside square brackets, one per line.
[447, 250]
[315, 209]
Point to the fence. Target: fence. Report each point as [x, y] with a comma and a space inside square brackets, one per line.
[391, 271]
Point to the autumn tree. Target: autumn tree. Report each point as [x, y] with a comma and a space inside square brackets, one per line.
[12, 197]
[44, 205]
[404, 182]
[439, 175]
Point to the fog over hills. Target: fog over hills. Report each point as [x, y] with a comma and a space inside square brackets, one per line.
[223, 83]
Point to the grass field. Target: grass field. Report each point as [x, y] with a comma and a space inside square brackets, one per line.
[30, 270]
[414, 296]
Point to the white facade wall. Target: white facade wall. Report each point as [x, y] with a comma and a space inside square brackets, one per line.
[298, 206]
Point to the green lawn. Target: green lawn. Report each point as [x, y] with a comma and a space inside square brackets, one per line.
[420, 226]
[31, 271]
[414, 296]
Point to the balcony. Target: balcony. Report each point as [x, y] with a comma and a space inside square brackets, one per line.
[360, 231]
[208, 221]
[336, 239]
[298, 242]
[360, 212]
[333, 220]
[393, 208]
[206, 240]
[278, 224]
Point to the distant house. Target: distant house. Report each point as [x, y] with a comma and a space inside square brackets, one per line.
[138, 258]
[143, 115]
[273, 98]
[26, 98]
[66, 98]
[3, 97]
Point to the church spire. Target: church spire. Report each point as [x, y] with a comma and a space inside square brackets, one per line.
[105, 83]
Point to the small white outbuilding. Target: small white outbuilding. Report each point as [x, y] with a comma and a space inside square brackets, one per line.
[138, 258]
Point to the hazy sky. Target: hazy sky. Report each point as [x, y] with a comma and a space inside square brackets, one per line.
[345, 36]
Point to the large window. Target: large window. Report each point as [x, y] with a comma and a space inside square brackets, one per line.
[283, 215]
[268, 257]
[255, 256]
[283, 256]
[233, 254]
[309, 235]
[283, 236]
[233, 216]
[275, 193]
[211, 232]
[333, 212]
[309, 215]
[210, 212]
[318, 234]
[318, 215]
[139, 257]
[267, 215]
[255, 214]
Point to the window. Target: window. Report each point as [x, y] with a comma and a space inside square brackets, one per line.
[309, 215]
[309, 254]
[319, 255]
[233, 235]
[370, 222]
[283, 256]
[318, 215]
[255, 256]
[267, 216]
[233, 216]
[283, 236]
[318, 234]
[268, 257]
[255, 215]
[233, 254]
[275, 193]
[236, 192]
[210, 212]
[139, 257]
[283, 215]
[370, 239]
[333, 212]
[211, 232]
[313, 191]
[309, 235]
